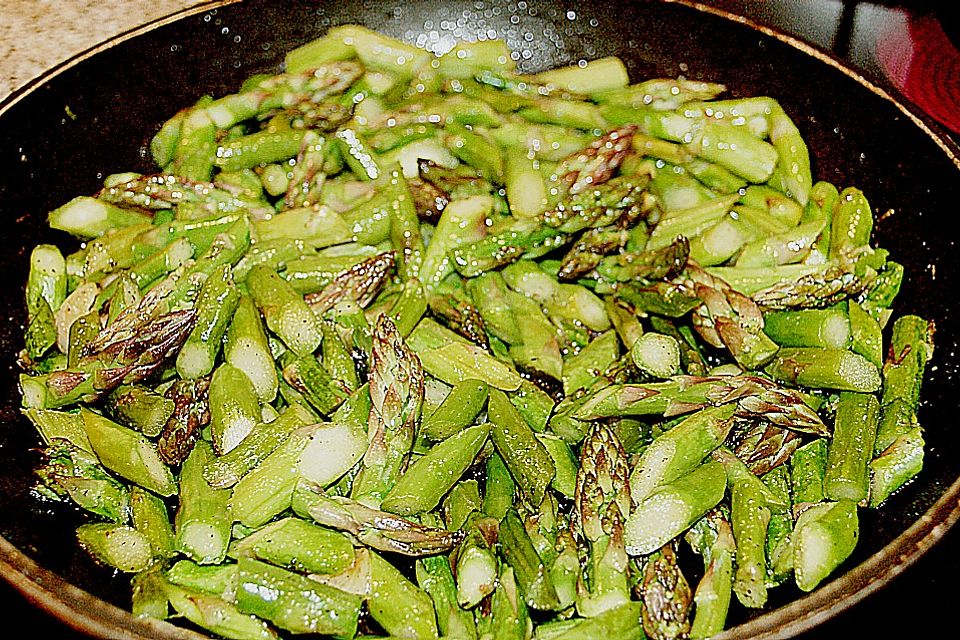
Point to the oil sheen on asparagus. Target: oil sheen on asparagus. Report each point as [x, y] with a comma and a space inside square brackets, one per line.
[397, 344]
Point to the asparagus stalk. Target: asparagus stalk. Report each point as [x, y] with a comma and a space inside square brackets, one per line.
[527, 459]
[70, 472]
[848, 456]
[140, 407]
[191, 413]
[285, 311]
[217, 615]
[296, 545]
[216, 303]
[749, 518]
[376, 529]
[114, 358]
[824, 536]
[533, 580]
[226, 470]
[148, 598]
[821, 368]
[673, 507]
[460, 503]
[620, 622]
[476, 562]
[128, 453]
[457, 411]
[246, 348]
[910, 350]
[294, 602]
[402, 608]
[712, 595]
[149, 516]
[118, 546]
[435, 577]
[202, 519]
[234, 408]
[431, 476]
[755, 397]
[680, 449]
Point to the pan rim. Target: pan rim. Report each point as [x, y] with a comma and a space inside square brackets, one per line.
[90, 614]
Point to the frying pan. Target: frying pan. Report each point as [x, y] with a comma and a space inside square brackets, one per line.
[95, 115]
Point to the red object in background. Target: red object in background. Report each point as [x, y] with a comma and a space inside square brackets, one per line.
[920, 60]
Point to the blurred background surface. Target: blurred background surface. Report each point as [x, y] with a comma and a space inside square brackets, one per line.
[911, 48]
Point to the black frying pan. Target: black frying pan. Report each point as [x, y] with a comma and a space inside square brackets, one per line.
[858, 135]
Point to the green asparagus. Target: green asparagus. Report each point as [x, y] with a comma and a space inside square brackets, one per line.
[417, 344]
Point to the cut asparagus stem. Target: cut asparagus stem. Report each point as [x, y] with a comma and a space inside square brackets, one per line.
[431, 476]
[854, 433]
[294, 602]
[824, 537]
[285, 311]
[296, 545]
[202, 519]
[458, 410]
[118, 546]
[668, 511]
[527, 459]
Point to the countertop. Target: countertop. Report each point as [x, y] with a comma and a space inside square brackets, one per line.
[38, 34]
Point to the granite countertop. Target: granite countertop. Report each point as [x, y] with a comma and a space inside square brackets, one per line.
[36, 35]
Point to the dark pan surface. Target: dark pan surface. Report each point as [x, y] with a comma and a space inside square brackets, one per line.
[61, 135]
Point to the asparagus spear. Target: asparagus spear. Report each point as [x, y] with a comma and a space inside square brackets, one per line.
[666, 596]
[531, 573]
[360, 283]
[216, 303]
[749, 517]
[713, 537]
[190, 415]
[399, 606]
[602, 500]
[457, 411]
[376, 529]
[70, 472]
[755, 396]
[114, 358]
[118, 546]
[728, 319]
[849, 453]
[140, 407]
[226, 470]
[672, 508]
[824, 536]
[909, 352]
[527, 459]
[476, 561]
[149, 516]
[680, 449]
[821, 368]
[128, 453]
[620, 622]
[217, 615]
[396, 392]
[246, 348]
[148, 598]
